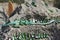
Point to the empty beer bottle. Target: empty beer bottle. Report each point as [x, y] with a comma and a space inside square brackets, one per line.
[41, 35]
[46, 35]
[14, 37]
[20, 37]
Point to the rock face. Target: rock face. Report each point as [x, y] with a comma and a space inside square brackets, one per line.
[45, 10]
[40, 7]
[40, 10]
[57, 3]
[50, 2]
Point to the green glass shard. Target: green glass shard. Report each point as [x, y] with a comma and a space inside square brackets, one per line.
[50, 10]
[33, 3]
[46, 4]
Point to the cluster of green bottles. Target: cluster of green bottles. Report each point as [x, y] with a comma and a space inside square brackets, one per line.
[27, 36]
[21, 36]
[45, 21]
[21, 22]
[25, 22]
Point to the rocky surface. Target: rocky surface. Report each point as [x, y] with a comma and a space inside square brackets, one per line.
[39, 10]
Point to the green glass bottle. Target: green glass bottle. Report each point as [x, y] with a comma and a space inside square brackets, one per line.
[46, 35]
[20, 37]
[33, 3]
[15, 38]
[41, 35]
[22, 22]
[27, 35]
[27, 22]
